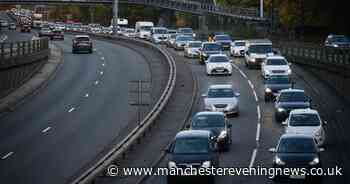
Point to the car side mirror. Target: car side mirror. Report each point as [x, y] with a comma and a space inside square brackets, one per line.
[237, 94]
[321, 149]
[187, 126]
[325, 123]
[167, 150]
[231, 61]
[204, 95]
[272, 150]
[229, 125]
[284, 123]
[290, 64]
[247, 52]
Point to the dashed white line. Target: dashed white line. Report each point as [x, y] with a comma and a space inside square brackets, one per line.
[101, 72]
[96, 82]
[257, 137]
[103, 64]
[46, 130]
[7, 155]
[86, 95]
[243, 74]
[71, 109]
[252, 160]
[251, 84]
[95, 50]
[255, 96]
[259, 113]
[102, 58]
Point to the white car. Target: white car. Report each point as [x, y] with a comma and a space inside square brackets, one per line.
[159, 34]
[237, 48]
[275, 65]
[129, 32]
[306, 122]
[218, 64]
[222, 98]
[191, 49]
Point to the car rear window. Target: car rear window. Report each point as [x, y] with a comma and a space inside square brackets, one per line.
[82, 39]
[208, 121]
[304, 120]
[191, 145]
[297, 145]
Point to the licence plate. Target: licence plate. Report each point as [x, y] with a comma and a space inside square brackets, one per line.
[220, 70]
[297, 176]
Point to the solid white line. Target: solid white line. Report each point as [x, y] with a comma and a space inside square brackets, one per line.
[251, 84]
[252, 160]
[96, 82]
[7, 155]
[255, 96]
[46, 129]
[259, 113]
[257, 137]
[243, 74]
[71, 109]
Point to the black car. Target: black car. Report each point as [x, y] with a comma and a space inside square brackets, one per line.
[216, 123]
[45, 32]
[207, 49]
[274, 84]
[337, 41]
[297, 151]
[290, 99]
[57, 35]
[82, 43]
[192, 149]
[224, 40]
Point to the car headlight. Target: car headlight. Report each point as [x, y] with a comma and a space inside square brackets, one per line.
[315, 161]
[171, 164]
[289, 71]
[318, 133]
[268, 90]
[194, 34]
[229, 107]
[278, 161]
[335, 45]
[267, 72]
[223, 134]
[280, 109]
[206, 164]
[252, 60]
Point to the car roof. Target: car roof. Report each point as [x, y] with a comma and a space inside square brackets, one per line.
[276, 57]
[209, 113]
[218, 55]
[240, 41]
[296, 136]
[220, 86]
[210, 43]
[221, 35]
[292, 90]
[304, 111]
[259, 41]
[192, 134]
[81, 36]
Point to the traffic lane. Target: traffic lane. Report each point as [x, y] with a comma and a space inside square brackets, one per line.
[91, 126]
[271, 130]
[244, 126]
[17, 36]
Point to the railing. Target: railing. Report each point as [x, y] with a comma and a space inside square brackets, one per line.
[24, 52]
[179, 5]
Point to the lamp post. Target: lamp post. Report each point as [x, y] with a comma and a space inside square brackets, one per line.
[261, 8]
[115, 15]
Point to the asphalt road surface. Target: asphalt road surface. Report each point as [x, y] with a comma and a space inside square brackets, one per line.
[13, 35]
[55, 134]
[251, 137]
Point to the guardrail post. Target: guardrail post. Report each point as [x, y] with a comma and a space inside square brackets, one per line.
[18, 48]
[2, 51]
[11, 49]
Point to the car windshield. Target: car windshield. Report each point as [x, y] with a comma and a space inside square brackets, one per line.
[218, 59]
[195, 44]
[297, 145]
[205, 121]
[212, 47]
[304, 120]
[293, 97]
[45, 29]
[184, 38]
[160, 31]
[146, 28]
[260, 49]
[276, 62]
[82, 39]
[340, 39]
[129, 30]
[220, 93]
[239, 44]
[191, 145]
[186, 30]
[222, 37]
[277, 80]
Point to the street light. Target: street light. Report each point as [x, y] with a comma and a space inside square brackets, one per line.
[115, 15]
[261, 8]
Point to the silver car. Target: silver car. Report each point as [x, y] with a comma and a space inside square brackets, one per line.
[222, 98]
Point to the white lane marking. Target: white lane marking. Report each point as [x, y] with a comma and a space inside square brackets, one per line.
[243, 74]
[252, 160]
[86, 95]
[257, 137]
[103, 64]
[102, 58]
[251, 84]
[101, 72]
[46, 129]
[71, 109]
[96, 82]
[94, 49]
[259, 113]
[255, 96]
[7, 155]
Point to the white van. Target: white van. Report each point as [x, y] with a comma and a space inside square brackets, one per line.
[257, 51]
[143, 29]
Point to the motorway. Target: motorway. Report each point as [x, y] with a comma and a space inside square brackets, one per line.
[11, 35]
[84, 109]
[255, 130]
